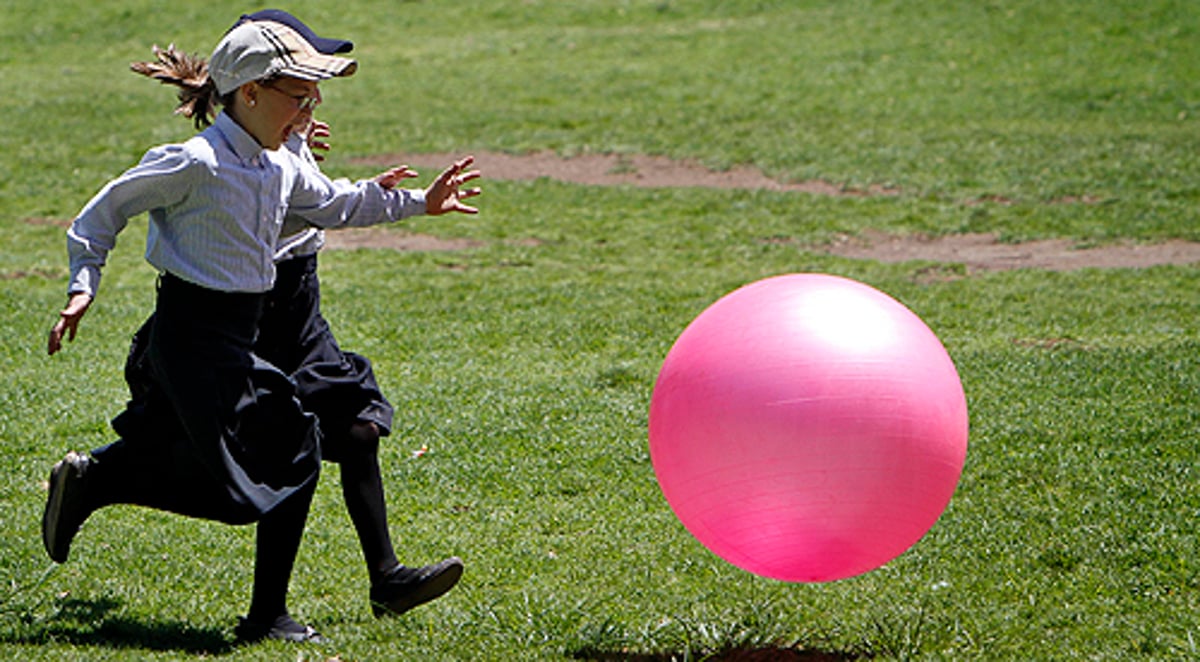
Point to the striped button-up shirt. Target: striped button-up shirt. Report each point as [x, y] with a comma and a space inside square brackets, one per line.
[216, 205]
[297, 238]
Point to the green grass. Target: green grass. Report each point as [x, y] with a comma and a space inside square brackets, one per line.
[527, 366]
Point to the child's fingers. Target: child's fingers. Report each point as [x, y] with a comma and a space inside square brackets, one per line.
[319, 129]
[457, 167]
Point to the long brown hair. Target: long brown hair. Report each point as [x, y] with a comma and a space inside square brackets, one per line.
[198, 98]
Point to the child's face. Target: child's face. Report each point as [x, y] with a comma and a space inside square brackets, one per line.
[281, 105]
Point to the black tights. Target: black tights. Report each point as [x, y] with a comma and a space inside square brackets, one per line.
[280, 531]
[362, 489]
[278, 540]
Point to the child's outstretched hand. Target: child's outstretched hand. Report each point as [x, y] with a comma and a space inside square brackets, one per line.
[389, 178]
[444, 195]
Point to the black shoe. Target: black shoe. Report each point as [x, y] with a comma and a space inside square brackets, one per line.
[281, 629]
[65, 511]
[404, 588]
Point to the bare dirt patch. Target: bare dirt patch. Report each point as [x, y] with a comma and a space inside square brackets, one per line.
[53, 222]
[620, 170]
[975, 251]
[396, 240]
[983, 252]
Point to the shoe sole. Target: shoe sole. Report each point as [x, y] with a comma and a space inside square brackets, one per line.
[61, 475]
[433, 588]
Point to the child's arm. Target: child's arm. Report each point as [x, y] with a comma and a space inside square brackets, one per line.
[94, 232]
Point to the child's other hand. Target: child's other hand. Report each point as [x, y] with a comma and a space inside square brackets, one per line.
[314, 133]
[389, 178]
[68, 321]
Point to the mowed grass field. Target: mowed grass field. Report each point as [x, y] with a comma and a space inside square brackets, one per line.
[525, 365]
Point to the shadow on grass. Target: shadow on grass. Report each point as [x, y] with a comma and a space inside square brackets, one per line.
[87, 623]
[737, 654]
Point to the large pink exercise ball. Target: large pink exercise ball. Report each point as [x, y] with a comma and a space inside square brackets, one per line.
[808, 428]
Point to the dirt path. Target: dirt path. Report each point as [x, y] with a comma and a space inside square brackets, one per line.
[976, 251]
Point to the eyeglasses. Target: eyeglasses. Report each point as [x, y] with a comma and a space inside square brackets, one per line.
[303, 101]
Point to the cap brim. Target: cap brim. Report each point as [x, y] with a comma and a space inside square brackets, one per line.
[300, 59]
[320, 68]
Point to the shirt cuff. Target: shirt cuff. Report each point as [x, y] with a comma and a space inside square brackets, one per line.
[85, 280]
[412, 202]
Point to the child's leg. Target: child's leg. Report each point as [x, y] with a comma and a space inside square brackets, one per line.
[128, 471]
[340, 387]
[278, 540]
[395, 588]
[362, 489]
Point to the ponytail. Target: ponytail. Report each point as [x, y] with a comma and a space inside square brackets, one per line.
[198, 97]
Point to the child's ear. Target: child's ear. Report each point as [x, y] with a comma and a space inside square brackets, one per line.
[249, 93]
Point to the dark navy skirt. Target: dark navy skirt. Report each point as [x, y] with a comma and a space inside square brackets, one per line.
[211, 430]
[338, 386]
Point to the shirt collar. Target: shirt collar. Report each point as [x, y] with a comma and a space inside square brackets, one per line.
[242, 143]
